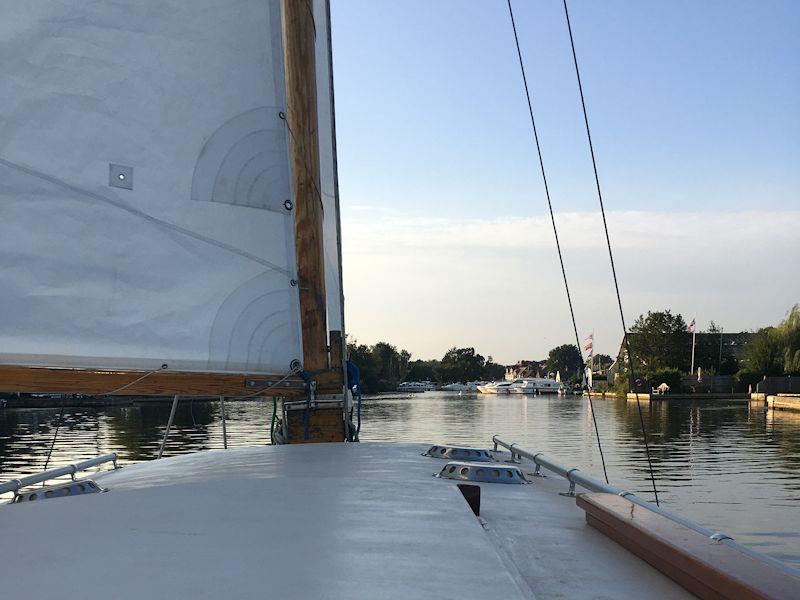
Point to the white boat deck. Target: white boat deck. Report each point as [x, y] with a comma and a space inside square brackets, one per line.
[313, 521]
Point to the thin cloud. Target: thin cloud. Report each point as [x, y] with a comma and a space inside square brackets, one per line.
[430, 283]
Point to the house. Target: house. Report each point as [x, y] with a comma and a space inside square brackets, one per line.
[525, 368]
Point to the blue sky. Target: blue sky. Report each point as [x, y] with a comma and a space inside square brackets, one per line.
[694, 110]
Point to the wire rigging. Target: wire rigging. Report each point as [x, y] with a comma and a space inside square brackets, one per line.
[626, 341]
[553, 221]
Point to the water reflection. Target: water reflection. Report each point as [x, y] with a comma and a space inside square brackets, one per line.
[724, 465]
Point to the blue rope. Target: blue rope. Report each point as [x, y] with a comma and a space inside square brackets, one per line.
[354, 382]
[307, 378]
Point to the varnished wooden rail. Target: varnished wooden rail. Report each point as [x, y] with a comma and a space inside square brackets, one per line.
[704, 566]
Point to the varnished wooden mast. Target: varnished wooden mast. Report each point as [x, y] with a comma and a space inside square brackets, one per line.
[301, 115]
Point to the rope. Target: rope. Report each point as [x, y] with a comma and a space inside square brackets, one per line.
[55, 436]
[626, 341]
[309, 397]
[169, 426]
[272, 424]
[134, 382]
[553, 221]
[111, 393]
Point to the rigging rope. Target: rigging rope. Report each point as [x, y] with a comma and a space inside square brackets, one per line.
[626, 341]
[553, 221]
[55, 436]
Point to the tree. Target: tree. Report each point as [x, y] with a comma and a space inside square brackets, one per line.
[421, 370]
[776, 350]
[789, 334]
[492, 371]
[764, 354]
[565, 359]
[382, 366]
[660, 341]
[601, 362]
[461, 364]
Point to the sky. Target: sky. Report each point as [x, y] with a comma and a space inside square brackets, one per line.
[694, 109]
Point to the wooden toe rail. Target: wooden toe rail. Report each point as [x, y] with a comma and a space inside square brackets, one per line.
[703, 566]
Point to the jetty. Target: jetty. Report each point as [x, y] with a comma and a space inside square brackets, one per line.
[646, 397]
[784, 402]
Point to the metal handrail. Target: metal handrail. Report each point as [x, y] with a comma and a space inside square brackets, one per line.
[16, 484]
[577, 477]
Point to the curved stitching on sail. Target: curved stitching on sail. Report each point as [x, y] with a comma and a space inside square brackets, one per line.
[264, 343]
[143, 215]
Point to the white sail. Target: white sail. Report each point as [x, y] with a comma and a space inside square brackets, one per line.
[328, 175]
[144, 180]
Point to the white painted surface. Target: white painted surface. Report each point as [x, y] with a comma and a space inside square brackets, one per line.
[192, 267]
[315, 521]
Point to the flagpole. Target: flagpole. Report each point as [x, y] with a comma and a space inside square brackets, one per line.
[694, 335]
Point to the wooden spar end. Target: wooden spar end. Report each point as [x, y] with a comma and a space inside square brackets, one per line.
[705, 567]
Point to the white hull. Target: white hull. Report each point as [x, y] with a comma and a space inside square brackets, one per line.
[522, 386]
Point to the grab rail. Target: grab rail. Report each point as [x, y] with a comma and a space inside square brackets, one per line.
[577, 477]
[16, 484]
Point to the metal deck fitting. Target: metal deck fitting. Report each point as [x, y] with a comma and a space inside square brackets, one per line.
[464, 471]
[457, 453]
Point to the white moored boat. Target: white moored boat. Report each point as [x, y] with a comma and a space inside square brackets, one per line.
[531, 385]
[416, 386]
[470, 386]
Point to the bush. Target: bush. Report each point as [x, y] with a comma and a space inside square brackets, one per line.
[747, 378]
[672, 377]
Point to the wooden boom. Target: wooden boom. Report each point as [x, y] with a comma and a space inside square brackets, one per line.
[159, 383]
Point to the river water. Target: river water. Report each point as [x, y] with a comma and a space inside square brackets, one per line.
[719, 463]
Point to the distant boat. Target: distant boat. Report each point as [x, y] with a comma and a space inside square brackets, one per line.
[470, 386]
[532, 385]
[416, 386]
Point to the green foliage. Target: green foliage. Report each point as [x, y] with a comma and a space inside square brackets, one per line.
[789, 335]
[461, 364]
[565, 359]
[672, 377]
[660, 342]
[492, 371]
[423, 370]
[764, 354]
[382, 366]
[601, 362]
[747, 378]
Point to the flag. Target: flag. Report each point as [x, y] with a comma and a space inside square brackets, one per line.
[589, 345]
[690, 328]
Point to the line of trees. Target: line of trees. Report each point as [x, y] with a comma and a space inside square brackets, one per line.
[383, 366]
[662, 348]
[774, 350]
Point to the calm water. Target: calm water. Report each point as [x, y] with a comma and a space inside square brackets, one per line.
[721, 464]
